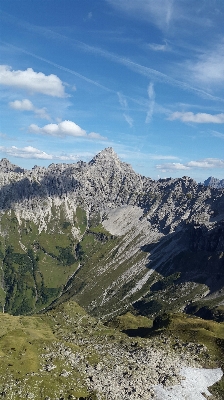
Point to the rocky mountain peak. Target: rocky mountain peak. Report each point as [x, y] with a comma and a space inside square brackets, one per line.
[7, 166]
[214, 182]
[107, 155]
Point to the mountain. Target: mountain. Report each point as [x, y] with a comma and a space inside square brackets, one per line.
[105, 277]
[110, 239]
[214, 182]
[7, 166]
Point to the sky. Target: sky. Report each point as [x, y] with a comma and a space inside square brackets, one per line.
[145, 77]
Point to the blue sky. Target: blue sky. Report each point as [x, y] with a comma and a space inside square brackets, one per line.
[145, 77]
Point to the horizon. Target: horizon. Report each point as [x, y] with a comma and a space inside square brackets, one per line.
[144, 78]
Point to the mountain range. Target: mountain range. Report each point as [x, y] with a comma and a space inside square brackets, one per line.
[128, 250]
[111, 239]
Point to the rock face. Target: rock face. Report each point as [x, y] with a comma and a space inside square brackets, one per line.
[6, 166]
[106, 183]
[214, 182]
[108, 237]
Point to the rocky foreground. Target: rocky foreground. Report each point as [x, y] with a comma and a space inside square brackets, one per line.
[80, 358]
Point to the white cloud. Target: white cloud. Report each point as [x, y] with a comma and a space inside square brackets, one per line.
[32, 81]
[30, 152]
[205, 163]
[94, 135]
[63, 129]
[25, 152]
[158, 47]
[200, 118]
[172, 166]
[41, 113]
[22, 105]
[151, 94]
[27, 105]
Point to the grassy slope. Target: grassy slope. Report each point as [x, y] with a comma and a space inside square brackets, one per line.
[24, 340]
[169, 288]
[23, 345]
[35, 267]
[40, 354]
[34, 352]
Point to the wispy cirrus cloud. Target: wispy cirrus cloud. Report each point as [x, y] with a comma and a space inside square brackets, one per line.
[208, 68]
[27, 105]
[206, 163]
[135, 67]
[32, 81]
[124, 104]
[199, 118]
[151, 94]
[159, 47]
[61, 67]
[168, 14]
[64, 129]
[217, 134]
[160, 11]
[149, 72]
[162, 157]
[122, 100]
[89, 15]
[128, 119]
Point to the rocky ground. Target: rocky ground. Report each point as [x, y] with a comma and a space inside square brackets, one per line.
[134, 368]
[70, 355]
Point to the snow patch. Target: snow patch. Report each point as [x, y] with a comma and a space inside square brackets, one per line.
[196, 381]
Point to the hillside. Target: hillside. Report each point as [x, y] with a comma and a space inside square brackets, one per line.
[105, 278]
[66, 354]
[109, 238]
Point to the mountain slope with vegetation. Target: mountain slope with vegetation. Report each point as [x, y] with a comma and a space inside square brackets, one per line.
[109, 238]
[67, 354]
[105, 276]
